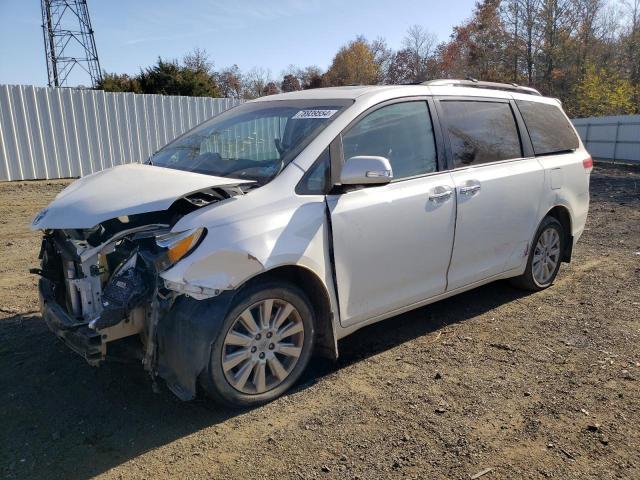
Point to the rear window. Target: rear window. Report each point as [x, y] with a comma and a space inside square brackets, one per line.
[548, 128]
[481, 132]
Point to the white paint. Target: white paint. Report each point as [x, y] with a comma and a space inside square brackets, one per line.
[374, 278]
[556, 178]
[495, 223]
[122, 190]
[394, 247]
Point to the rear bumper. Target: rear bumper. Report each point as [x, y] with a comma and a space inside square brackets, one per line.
[77, 336]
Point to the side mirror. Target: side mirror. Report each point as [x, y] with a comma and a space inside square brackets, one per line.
[366, 170]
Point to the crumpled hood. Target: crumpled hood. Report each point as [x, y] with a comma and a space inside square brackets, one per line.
[122, 190]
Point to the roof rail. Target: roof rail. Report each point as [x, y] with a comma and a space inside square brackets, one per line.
[472, 82]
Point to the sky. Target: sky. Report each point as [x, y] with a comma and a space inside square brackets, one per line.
[267, 33]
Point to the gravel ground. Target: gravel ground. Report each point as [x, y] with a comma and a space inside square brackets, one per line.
[543, 385]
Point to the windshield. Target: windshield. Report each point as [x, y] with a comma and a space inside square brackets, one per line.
[253, 141]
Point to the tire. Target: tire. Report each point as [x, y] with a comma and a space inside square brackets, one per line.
[255, 380]
[534, 279]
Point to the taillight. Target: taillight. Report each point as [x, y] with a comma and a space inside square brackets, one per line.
[587, 163]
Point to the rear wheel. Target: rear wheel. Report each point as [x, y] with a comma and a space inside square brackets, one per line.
[265, 344]
[545, 256]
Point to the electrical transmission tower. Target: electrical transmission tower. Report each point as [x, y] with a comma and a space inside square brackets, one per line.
[68, 42]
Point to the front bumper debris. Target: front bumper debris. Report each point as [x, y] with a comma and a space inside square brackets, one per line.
[173, 332]
[90, 343]
[76, 335]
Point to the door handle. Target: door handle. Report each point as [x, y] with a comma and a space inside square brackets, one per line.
[440, 193]
[470, 188]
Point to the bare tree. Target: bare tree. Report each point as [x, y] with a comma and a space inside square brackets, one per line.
[632, 8]
[255, 82]
[588, 16]
[522, 19]
[611, 22]
[382, 56]
[512, 19]
[420, 44]
[632, 42]
[556, 24]
[532, 34]
[199, 61]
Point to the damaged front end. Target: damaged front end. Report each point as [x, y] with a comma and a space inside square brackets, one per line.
[93, 295]
[100, 289]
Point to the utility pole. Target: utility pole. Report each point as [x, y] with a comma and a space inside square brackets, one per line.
[69, 44]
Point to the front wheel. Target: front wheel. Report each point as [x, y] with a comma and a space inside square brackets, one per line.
[265, 343]
[544, 258]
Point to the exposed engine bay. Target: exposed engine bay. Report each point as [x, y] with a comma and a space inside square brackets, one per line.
[101, 284]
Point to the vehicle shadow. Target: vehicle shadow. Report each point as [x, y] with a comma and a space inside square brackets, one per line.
[395, 331]
[64, 419]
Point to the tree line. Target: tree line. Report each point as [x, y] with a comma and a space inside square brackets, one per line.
[585, 52]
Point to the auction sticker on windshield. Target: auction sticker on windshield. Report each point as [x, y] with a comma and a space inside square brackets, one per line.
[315, 114]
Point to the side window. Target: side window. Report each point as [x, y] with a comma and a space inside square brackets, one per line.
[401, 132]
[548, 128]
[481, 132]
[318, 178]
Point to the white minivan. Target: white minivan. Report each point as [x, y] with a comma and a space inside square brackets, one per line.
[286, 223]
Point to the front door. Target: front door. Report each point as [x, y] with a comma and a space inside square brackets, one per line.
[392, 243]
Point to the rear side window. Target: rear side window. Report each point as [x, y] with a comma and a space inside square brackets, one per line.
[481, 132]
[548, 128]
[402, 133]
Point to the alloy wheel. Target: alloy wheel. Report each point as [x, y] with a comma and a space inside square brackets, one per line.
[262, 346]
[546, 256]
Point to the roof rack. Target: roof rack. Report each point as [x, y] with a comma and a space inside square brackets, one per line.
[472, 82]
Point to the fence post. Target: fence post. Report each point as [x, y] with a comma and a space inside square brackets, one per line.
[615, 143]
[586, 135]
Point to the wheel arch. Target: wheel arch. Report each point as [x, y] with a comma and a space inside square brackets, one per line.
[311, 284]
[187, 331]
[563, 215]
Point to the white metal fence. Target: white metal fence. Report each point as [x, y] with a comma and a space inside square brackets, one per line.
[58, 133]
[614, 139]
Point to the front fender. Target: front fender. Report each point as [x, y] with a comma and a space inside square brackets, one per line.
[233, 253]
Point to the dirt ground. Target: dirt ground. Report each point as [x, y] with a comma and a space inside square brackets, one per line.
[543, 385]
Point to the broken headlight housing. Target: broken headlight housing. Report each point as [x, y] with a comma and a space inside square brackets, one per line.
[178, 245]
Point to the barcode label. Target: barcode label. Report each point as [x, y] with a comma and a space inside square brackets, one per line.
[315, 114]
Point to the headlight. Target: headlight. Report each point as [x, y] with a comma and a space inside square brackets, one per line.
[180, 244]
